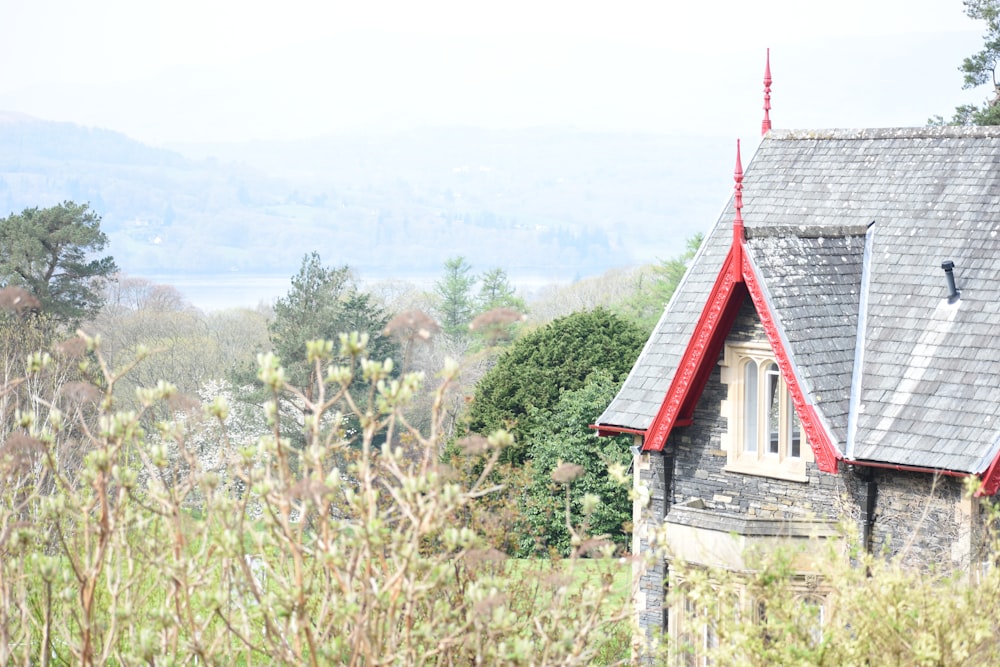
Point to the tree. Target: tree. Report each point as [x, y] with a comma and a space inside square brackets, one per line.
[595, 498]
[530, 375]
[455, 293]
[981, 68]
[323, 303]
[495, 291]
[50, 253]
[498, 308]
[178, 341]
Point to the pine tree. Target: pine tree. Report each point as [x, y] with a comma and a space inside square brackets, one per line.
[454, 290]
[50, 253]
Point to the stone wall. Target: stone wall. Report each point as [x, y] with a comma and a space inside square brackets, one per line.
[652, 572]
[700, 459]
[925, 520]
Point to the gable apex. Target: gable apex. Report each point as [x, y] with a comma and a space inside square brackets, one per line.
[737, 279]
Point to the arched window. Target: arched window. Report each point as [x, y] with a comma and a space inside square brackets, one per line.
[769, 417]
[765, 431]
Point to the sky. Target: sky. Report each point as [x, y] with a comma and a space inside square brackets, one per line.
[181, 71]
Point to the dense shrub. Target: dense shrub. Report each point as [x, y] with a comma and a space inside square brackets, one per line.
[532, 374]
[598, 495]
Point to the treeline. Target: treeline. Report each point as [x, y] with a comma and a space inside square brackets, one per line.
[541, 370]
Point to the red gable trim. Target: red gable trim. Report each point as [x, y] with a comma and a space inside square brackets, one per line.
[702, 350]
[735, 280]
[603, 431]
[991, 480]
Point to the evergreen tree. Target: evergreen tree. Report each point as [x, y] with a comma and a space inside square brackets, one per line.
[562, 436]
[496, 291]
[50, 253]
[981, 68]
[323, 303]
[498, 307]
[454, 291]
[531, 374]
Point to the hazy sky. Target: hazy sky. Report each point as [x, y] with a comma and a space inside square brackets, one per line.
[203, 70]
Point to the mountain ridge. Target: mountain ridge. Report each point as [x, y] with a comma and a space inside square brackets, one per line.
[557, 204]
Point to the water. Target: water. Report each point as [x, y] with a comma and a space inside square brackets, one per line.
[226, 290]
[241, 290]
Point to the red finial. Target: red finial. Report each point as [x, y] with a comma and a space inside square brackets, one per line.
[738, 177]
[765, 126]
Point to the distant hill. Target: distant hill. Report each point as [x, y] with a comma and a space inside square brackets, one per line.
[555, 205]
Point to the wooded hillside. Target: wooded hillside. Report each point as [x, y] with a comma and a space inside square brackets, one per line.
[551, 205]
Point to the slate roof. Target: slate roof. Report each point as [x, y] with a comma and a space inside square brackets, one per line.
[896, 373]
[814, 284]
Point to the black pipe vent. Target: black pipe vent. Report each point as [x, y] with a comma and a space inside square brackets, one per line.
[954, 294]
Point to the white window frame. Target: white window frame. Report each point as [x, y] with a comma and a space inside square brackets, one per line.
[694, 629]
[752, 452]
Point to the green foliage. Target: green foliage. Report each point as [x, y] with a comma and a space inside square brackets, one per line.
[50, 253]
[495, 291]
[454, 291]
[654, 292]
[980, 68]
[532, 373]
[562, 436]
[498, 309]
[162, 546]
[323, 303]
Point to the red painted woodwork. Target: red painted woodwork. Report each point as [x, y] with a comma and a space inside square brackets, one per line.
[739, 233]
[699, 357]
[991, 479]
[765, 126]
[603, 431]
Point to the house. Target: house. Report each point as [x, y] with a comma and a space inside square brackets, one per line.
[832, 354]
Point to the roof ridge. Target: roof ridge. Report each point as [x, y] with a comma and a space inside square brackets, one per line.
[805, 231]
[928, 132]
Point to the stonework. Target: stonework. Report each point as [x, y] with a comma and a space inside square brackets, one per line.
[926, 521]
[701, 458]
[652, 572]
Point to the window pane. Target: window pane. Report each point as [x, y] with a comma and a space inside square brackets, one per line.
[750, 406]
[812, 618]
[794, 430]
[773, 408]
